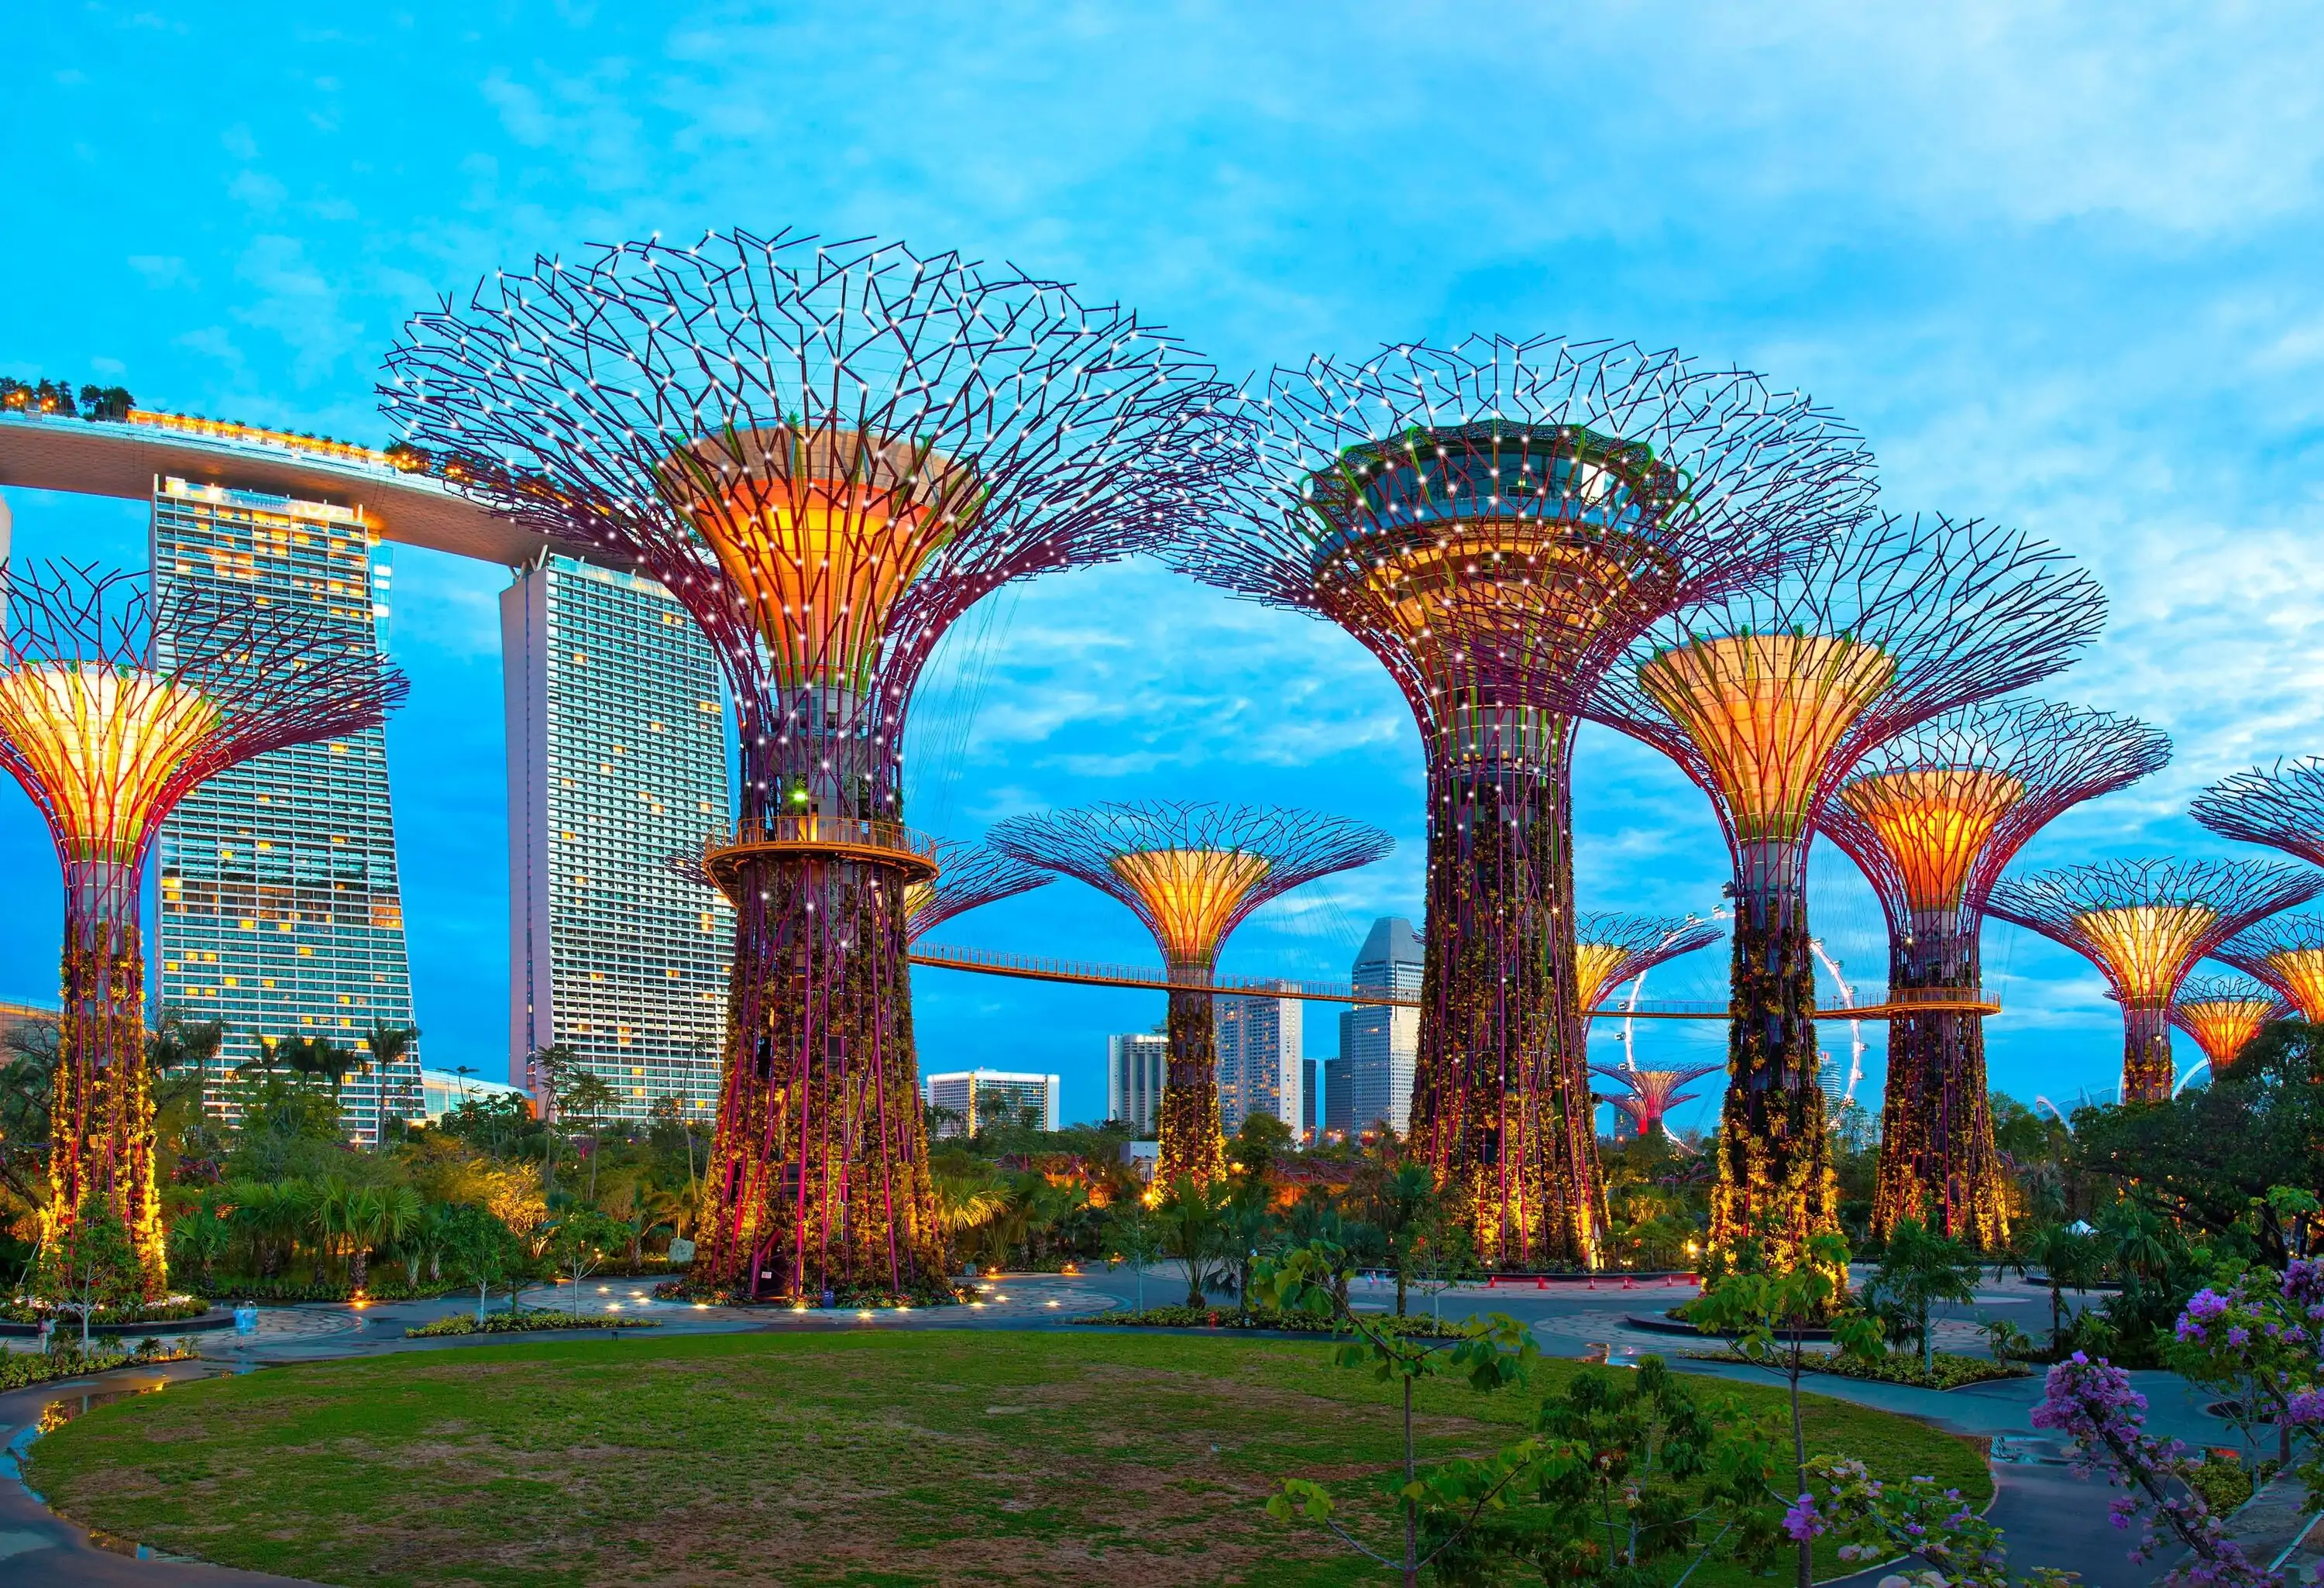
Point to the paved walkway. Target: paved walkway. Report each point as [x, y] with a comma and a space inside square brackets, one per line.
[2050, 1517]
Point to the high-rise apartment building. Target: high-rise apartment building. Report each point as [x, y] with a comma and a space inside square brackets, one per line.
[1258, 1059]
[1380, 1044]
[1339, 1104]
[1137, 1063]
[616, 764]
[974, 1100]
[280, 911]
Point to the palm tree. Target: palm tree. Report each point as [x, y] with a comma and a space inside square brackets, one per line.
[968, 1201]
[389, 1045]
[1190, 1216]
[2066, 1257]
[1922, 1269]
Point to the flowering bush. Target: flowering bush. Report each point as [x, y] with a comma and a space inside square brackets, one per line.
[1914, 1518]
[527, 1322]
[2093, 1405]
[2260, 1341]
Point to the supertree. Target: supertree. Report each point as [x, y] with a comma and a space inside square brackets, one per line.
[1481, 519]
[1193, 873]
[2222, 1014]
[2144, 923]
[1766, 699]
[1611, 949]
[111, 712]
[828, 452]
[969, 876]
[1931, 819]
[2286, 953]
[1648, 1095]
[2281, 806]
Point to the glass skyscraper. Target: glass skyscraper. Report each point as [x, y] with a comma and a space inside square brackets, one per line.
[1259, 1060]
[280, 913]
[616, 764]
[1380, 1044]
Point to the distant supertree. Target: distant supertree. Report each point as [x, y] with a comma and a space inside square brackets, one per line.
[1484, 518]
[1611, 949]
[2281, 806]
[828, 452]
[1931, 817]
[2222, 1014]
[2144, 923]
[1766, 699]
[111, 713]
[1648, 1095]
[1192, 873]
[2286, 952]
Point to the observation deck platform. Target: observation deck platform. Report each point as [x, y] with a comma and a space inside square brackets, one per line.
[824, 838]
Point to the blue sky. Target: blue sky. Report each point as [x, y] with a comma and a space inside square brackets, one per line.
[2056, 262]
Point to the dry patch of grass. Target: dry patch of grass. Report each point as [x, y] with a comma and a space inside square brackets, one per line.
[860, 1459]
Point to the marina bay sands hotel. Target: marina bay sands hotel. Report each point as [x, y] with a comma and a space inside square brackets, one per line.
[280, 912]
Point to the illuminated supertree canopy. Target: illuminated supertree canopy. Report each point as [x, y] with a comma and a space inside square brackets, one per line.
[1766, 699]
[1648, 1096]
[1484, 518]
[2144, 923]
[111, 713]
[2222, 1014]
[1611, 949]
[1193, 873]
[1931, 817]
[828, 452]
[2286, 952]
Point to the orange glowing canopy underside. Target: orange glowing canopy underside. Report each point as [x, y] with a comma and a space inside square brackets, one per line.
[1597, 967]
[2301, 972]
[1538, 587]
[918, 894]
[2145, 948]
[1933, 822]
[102, 743]
[820, 534]
[1190, 894]
[1766, 712]
[2224, 1026]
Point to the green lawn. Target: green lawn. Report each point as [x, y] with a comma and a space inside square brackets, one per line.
[857, 1458]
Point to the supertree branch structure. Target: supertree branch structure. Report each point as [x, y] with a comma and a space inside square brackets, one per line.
[827, 451]
[1766, 699]
[2222, 1014]
[1193, 873]
[2286, 952]
[2144, 923]
[111, 712]
[1611, 949]
[1648, 1096]
[2281, 806]
[970, 877]
[1483, 517]
[1931, 817]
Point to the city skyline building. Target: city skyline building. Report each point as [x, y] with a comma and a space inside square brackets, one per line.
[980, 1097]
[1339, 1105]
[1380, 1044]
[616, 745]
[282, 909]
[1260, 1061]
[1136, 1067]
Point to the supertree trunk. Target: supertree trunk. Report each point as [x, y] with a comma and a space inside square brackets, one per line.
[101, 1113]
[1938, 1163]
[2147, 1070]
[1776, 1185]
[1501, 1098]
[822, 1179]
[1191, 1145]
